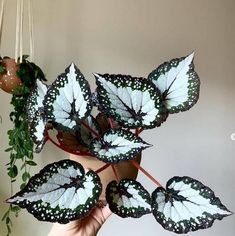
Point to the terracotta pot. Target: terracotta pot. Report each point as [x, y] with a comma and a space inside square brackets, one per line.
[9, 80]
[124, 170]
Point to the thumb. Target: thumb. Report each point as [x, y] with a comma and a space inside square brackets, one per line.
[106, 212]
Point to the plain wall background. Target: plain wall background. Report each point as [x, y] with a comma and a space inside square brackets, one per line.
[133, 37]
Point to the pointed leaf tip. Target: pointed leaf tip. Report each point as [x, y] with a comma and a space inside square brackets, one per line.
[96, 74]
[191, 55]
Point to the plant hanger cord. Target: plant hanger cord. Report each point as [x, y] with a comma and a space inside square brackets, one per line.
[31, 32]
[19, 31]
[17, 36]
[1, 19]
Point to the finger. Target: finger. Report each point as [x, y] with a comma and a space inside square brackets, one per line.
[106, 212]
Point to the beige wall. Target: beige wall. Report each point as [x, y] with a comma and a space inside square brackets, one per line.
[135, 36]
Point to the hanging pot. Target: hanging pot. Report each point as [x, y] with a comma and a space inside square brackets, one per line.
[9, 80]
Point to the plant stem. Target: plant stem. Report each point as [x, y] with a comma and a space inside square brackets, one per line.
[115, 173]
[141, 130]
[138, 131]
[137, 165]
[102, 168]
[111, 123]
[89, 128]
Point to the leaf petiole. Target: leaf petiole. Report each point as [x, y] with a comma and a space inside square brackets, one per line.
[115, 173]
[89, 128]
[138, 131]
[111, 123]
[136, 164]
[102, 168]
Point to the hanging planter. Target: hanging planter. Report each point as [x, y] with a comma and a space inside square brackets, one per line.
[20, 79]
[9, 81]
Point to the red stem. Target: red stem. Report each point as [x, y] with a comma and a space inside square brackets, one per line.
[89, 128]
[111, 123]
[115, 173]
[137, 165]
[102, 168]
[138, 131]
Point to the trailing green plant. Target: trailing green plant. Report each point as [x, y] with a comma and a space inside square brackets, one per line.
[20, 148]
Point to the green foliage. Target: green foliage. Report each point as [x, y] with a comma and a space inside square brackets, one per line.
[2, 69]
[20, 143]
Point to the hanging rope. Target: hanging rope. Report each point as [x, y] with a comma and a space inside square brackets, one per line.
[19, 31]
[31, 36]
[18, 2]
[1, 19]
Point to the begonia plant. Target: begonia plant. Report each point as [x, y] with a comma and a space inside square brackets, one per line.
[64, 191]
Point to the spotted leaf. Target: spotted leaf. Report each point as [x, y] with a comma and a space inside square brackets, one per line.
[178, 82]
[133, 102]
[128, 198]
[35, 115]
[68, 100]
[117, 145]
[85, 136]
[61, 192]
[35, 100]
[37, 131]
[186, 205]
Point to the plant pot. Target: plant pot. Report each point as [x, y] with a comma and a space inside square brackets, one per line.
[9, 80]
[124, 169]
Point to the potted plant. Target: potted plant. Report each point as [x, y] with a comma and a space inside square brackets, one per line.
[18, 79]
[9, 80]
[64, 190]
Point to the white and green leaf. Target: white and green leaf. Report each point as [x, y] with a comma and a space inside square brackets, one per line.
[68, 100]
[128, 198]
[37, 131]
[178, 83]
[117, 145]
[35, 100]
[186, 205]
[35, 115]
[61, 192]
[133, 102]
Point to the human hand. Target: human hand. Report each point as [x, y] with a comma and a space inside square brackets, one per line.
[88, 226]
